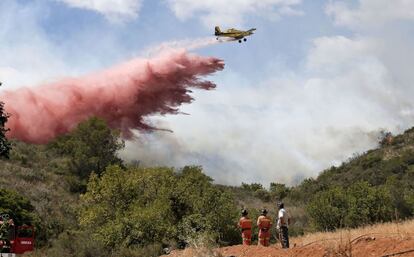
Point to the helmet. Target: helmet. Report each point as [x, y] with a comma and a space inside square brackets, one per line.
[244, 212]
[280, 205]
[264, 211]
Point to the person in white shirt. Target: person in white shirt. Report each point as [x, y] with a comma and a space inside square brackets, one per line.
[282, 225]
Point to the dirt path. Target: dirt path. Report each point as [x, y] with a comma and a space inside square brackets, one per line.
[364, 247]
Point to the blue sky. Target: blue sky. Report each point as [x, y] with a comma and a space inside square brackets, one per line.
[314, 85]
[73, 30]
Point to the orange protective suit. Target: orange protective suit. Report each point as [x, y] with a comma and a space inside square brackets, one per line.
[246, 227]
[264, 223]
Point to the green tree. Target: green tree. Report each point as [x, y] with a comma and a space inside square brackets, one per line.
[409, 197]
[17, 207]
[252, 187]
[399, 197]
[4, 144]
[328, 209]
[278, 191]
[357, 205]
[196, 192]
[263, 195]
[258, 191]
[92, 146]
[141, 206]
[367, 205]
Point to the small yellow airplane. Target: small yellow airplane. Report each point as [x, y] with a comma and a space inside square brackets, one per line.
[234, 34]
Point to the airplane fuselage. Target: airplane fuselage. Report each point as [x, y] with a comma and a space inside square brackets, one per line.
[233, 33]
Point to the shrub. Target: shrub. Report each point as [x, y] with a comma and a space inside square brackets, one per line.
[328, 209]
[141, 206]
[92, 146]
[278, 191]
[17, 207]
[357, 205]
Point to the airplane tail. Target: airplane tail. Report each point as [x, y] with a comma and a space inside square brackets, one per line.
[251, 30]
[217, 31]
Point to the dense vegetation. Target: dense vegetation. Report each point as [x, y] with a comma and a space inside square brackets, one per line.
[21, 208]
[386, 194]
[40, 176]
[85, 201]
[4, 144]
[141, 206]
[357, 205]
[91, 147]
[376, 186]
[84, 210]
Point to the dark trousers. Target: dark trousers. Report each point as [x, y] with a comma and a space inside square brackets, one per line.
[284, 236]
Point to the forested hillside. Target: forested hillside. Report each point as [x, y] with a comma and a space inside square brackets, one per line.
[372, 187]
[85, 201]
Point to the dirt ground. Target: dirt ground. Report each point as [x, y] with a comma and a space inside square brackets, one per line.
[364, 246]
[378, 240]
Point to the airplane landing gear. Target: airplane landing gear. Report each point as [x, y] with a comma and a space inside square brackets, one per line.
[244, 39]
[240, 41]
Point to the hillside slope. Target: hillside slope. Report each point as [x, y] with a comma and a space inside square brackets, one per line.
[37, 174]
[44, 177]
[382, 177]
[378, 182]
[394, 158]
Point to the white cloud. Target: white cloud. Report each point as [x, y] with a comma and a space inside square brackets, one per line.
[112, 9]
[232, 12]
[26, 55]
[371, 12]
[30, 55]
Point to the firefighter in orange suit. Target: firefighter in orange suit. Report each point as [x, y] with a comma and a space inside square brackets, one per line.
[245, 224]
[264, 223]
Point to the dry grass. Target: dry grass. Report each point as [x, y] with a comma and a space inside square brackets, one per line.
[200, 247]
[199, 252]
[342, 240]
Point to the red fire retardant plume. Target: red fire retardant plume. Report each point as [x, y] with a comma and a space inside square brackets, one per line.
[123, 96]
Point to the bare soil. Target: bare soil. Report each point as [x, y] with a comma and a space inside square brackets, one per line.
[364, 247]
[379, 240]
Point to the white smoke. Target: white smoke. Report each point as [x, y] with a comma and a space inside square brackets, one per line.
[187, 44]
[294, 124]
